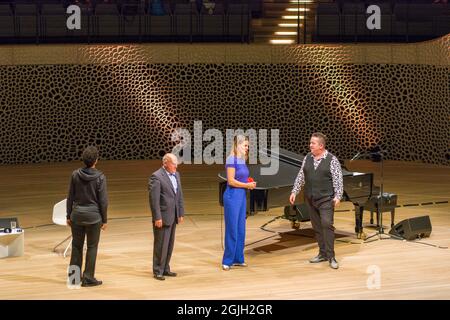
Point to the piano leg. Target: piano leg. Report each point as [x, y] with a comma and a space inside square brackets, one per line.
[252, 208]
[358, 221]
[392, 217]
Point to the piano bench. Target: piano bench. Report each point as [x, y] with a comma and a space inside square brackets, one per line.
[388, 203]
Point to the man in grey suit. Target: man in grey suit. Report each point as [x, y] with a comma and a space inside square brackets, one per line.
[166, 203]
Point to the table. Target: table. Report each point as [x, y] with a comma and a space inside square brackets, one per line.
[12, 244]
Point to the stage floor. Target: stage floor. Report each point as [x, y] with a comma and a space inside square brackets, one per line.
[278, 262]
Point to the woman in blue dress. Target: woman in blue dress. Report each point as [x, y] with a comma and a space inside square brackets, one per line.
[234, 202]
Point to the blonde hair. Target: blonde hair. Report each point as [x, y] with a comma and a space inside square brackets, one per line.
[237, 140]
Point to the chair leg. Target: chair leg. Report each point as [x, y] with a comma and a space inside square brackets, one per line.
[371, 216]
[67, 248]
[54, 249]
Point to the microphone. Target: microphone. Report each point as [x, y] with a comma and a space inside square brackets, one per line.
[356, 156]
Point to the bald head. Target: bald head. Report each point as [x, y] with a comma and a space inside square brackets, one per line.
[170, 162]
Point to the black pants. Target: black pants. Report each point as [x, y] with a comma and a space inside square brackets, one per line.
[79, 232]
[163, 243]
[322, 219]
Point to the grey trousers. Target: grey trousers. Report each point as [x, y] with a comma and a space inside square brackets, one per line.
[164, 239]
[79, 233]
[322, 219]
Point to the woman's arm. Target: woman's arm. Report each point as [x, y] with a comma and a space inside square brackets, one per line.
[237, 184]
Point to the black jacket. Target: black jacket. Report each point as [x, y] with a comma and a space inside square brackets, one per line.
[87, 202]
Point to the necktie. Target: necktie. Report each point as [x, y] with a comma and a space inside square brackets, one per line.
[174, 181]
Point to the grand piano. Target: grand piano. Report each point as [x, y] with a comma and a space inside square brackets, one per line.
[273, 191]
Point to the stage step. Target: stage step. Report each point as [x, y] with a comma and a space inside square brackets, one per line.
[275, 26]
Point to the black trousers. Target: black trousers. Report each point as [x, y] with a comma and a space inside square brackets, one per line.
[164, 239]
[79, 233]
[322, 219]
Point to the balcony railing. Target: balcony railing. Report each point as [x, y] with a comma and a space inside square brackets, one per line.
[49, 21]
[400, 21]
[125, 21]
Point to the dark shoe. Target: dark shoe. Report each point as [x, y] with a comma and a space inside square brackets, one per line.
[317, 259]
[334, 264]
[91, 283]
[170, 274]
[159, 276]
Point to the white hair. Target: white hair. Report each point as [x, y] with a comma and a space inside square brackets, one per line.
[170, 157]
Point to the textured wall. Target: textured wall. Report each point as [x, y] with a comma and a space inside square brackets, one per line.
[55, 100]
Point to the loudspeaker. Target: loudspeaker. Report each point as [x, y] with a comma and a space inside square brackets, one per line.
[410, 229]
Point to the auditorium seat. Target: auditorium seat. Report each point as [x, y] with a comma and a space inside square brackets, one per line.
[414, 20]
[53, 21]
[158, 25]
[27, 21]
[386, 21]
[238, 21]
[421, 19]
[328, 22]
[107, 20]
[132, 20]
[442, 20]
[186, 20]
[213, 20]
[353, 20]
[255, 7]
[6, 21]
[87, 27]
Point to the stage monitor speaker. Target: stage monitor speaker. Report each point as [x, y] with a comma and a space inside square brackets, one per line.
[6, 222]
[410, 229]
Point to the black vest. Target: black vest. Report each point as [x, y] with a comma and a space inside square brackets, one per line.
[318, 182]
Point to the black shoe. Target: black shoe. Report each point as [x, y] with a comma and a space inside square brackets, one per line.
[334, 264]
[170, 274]
[318, 258]
[159, 276]
[91, 283]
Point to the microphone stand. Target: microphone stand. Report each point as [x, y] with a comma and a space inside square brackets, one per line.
[380, 231]
[379, 208]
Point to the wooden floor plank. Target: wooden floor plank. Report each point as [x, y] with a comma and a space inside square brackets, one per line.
[278, 263]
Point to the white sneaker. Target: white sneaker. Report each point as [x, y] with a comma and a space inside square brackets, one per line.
[334, 264]
[225, 267]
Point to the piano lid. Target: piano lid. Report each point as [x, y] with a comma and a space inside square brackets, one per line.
[289, 165]
[294, 159]
[285, 156]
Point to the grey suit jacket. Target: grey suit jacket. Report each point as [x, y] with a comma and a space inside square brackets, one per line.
[164, 203]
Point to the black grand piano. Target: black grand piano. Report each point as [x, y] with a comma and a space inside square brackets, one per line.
[273, 191]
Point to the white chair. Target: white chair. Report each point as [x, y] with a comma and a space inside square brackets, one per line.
[60, 218]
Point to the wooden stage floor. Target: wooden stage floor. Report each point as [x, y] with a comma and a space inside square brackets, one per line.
[278, 263]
